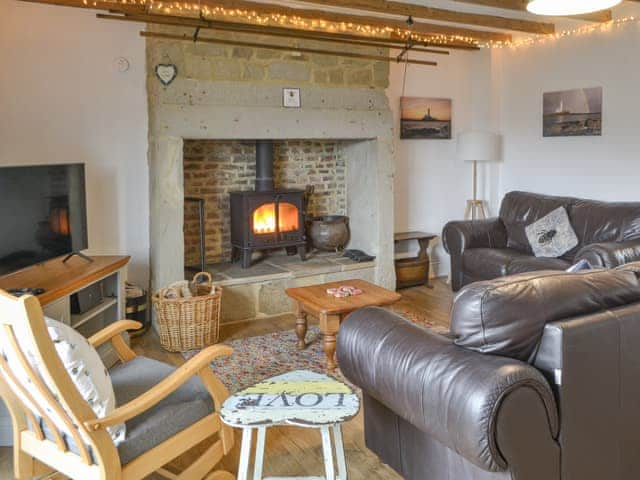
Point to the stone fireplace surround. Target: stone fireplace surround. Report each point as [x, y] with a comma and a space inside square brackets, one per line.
[191, 108]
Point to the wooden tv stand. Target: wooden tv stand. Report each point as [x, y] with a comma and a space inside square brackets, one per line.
[60, 281]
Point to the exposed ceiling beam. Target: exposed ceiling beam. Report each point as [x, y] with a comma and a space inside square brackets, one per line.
[521, 5]
[419, 28]
[96, 5]
[310, 14]
[267, 31]
[419, 11]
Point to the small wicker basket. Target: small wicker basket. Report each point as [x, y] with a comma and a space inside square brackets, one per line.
[189, 323]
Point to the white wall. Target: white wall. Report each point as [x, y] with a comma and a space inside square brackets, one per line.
[431, 184]
[62, 100]
[606, 167]
[501, 90]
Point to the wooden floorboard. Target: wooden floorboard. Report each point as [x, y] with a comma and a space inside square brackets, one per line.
[294, 451]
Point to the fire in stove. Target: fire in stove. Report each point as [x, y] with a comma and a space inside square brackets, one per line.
[267, 217]
[264, 218]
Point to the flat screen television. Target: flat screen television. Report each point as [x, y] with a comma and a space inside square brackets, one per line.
[43, 214]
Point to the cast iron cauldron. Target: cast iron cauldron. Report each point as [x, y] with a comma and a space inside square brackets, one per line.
[329, 233]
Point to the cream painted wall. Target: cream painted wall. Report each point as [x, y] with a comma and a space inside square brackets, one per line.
[501, 90]
[431, 184]
[606, 167]
[62, 100]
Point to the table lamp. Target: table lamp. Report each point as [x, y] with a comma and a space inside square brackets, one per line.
[478, 147]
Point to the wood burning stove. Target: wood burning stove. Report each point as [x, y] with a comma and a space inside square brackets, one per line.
[266, 218]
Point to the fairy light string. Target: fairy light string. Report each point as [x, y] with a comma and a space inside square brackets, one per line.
[576, 32]
[191, 9]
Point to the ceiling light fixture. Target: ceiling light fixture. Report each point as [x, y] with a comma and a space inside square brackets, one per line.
[569, 7]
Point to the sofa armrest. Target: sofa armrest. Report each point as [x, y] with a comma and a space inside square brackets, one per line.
[454, 395]
[460, 235]
[610, 254]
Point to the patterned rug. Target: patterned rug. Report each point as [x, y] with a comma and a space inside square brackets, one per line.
[257, 358]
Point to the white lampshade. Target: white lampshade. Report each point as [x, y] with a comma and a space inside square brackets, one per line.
[569, 7]
[479, 147]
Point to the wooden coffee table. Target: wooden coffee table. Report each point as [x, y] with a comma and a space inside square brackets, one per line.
[330, 311]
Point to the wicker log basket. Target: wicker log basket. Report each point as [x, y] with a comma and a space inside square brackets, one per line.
[189, 323]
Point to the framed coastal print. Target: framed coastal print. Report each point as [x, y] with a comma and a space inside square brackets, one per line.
[425, 118]
[572, 113]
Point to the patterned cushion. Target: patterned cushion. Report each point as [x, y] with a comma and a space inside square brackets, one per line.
[552, 235]
[87, 371]
[85, 368]
[580, 266]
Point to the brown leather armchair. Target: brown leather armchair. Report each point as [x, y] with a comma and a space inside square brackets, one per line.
[608, 234]
[538, 380]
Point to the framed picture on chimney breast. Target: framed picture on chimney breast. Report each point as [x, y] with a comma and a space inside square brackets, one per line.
[425, 118]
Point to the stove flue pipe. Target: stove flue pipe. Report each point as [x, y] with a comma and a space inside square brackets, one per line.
[264, 166]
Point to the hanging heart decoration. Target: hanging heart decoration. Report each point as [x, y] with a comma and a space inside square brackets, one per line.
[166, 73]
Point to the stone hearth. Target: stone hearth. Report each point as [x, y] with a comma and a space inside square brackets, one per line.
[259, 291]
[204, 104]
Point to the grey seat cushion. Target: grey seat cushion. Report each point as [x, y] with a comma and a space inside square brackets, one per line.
[190, 403]
[532, 264]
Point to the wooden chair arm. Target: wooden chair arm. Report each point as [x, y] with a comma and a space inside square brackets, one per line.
[116, 328]
[163, 389]
[114, 333]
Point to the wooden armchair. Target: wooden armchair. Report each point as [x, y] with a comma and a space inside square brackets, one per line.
[167, 411]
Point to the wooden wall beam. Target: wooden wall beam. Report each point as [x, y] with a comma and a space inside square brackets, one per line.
[420, 11]
[286, 48]
[521, 5]
[310, 14]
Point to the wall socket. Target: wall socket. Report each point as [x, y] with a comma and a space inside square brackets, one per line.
[291, 98]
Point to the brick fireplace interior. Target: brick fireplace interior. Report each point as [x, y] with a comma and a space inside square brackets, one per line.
[215, 168]
[340, 170]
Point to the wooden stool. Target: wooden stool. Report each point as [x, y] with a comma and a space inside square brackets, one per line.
[301, 398]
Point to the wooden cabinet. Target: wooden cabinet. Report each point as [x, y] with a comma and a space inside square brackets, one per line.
[60, 310]
[60, 281]
[413, 271]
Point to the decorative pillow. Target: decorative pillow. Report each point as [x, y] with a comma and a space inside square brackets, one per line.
[552, 236]
[87, 371]
[85, 367]
[580, 266]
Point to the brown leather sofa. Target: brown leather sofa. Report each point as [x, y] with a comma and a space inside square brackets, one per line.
[538, 380]
[608, 234]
